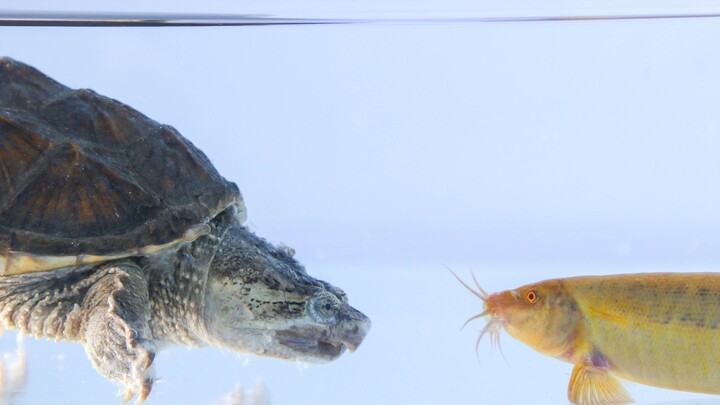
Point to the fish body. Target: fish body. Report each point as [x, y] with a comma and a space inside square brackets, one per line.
[659, 329]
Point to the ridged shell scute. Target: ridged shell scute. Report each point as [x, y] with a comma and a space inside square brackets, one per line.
[83, 175]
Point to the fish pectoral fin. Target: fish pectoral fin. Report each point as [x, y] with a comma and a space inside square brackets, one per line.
[590, 385]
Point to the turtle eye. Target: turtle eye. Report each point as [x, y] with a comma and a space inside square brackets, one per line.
[531, 296]
[323, 308]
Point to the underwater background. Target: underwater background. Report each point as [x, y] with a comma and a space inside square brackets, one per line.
[387, 152]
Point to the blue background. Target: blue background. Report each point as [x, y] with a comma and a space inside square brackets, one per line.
[385, 152]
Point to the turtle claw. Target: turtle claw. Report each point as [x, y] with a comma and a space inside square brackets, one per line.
[141, 390]
[128, 395]
[144, 391]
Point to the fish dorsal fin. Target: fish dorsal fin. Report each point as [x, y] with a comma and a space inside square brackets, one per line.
[590, 385]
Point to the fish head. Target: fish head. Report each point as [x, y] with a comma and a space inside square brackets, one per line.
[542, 315]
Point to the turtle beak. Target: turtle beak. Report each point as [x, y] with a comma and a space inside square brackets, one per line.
[321, 343]
[353, 331]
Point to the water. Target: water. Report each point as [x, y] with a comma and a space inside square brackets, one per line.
[385, 152]
[416, 354]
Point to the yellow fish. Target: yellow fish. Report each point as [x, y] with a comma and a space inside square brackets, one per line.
[659, 329]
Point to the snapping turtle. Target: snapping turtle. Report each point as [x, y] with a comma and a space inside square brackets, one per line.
[115, 231]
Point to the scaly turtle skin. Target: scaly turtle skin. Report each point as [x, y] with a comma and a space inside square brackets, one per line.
[115, 231]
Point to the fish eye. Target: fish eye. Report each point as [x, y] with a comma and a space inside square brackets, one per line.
[531, 296]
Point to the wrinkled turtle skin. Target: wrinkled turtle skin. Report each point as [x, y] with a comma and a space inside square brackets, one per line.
[116, 232]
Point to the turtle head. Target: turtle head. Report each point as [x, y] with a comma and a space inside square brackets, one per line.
[260, 300]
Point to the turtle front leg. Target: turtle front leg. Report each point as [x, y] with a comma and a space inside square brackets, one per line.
[117, 336]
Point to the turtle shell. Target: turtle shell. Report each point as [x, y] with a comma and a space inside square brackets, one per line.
[85, 178]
